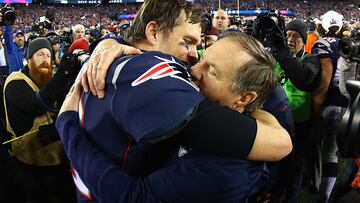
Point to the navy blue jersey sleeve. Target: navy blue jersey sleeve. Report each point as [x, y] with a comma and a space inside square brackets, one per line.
[195, 177]
[322, 48]
[153, 96]
[98, 173]
[278, 105]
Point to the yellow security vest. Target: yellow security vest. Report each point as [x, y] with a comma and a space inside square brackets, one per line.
[28, 149]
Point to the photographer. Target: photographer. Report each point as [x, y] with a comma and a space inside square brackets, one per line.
[16, 49]
[30, 96]
[348, 140]
[54, 40]
[299, 75]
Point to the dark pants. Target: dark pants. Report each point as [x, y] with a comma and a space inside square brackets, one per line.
[39, 184]
[4, 71]
[298, 163]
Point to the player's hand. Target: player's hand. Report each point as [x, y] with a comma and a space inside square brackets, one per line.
[72, 99]
[106, 51]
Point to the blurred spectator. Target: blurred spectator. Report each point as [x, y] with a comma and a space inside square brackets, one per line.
[103, 31]
[54, 40]
[221, 20]
[4, 69]
[79, 44]
[312, 37]
[16, 49]
[78, 32]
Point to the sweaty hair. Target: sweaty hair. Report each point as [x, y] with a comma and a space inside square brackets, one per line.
[258, 74]
[164, 13]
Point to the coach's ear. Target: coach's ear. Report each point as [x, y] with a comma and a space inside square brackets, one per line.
[151, 31]
[243, 100]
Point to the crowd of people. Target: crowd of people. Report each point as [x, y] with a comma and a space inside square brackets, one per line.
[174, 107]
[68, 15]
[90, 15]
[303, 9]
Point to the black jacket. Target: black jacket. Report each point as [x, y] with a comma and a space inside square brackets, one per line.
[24, 104]
[303, 73]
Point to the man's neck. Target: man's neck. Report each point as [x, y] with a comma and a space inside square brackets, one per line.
[143, 45]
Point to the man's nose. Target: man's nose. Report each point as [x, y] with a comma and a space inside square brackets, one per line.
[193, 55]
[195, 72]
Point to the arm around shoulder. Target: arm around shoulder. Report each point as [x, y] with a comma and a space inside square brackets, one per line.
[272, 142]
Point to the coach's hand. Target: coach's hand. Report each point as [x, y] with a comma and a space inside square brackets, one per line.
[106, 51]
[71, 102]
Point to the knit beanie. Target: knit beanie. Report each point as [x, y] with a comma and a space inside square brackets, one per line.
[299, 26]
[79, 44]
[37, 44]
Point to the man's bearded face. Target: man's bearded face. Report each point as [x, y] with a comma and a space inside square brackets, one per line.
[40, 70]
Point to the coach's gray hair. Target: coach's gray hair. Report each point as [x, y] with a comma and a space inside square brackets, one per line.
[256, 75]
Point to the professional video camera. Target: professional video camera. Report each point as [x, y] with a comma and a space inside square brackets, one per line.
[248, 27]
[236, 20]
[206, 23]
[82, 57]
[44, 22]
[66, 36]
[268, 25]
[41, 24]
[349, 48]
[348, 138]
[53, 38]
[72, 62]
[8, 15]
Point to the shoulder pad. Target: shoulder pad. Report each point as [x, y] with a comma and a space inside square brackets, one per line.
[322, 48]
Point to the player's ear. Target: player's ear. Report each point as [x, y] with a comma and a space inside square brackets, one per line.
[151, 31]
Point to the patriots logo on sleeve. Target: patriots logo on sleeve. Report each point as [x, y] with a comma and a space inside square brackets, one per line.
[319, 51]
[322, 48]
[165, 68]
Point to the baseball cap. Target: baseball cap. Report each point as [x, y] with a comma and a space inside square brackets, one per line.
[19, 32]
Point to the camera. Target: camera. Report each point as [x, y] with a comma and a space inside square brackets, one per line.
[8, 15]
[66, 36]
[248, 27]
[206, 22]
[41, 24]
[348, 137]
[82, 57]
[72, 63]
[236, 20]
[53, 38]
[349, 48]
[267, 24]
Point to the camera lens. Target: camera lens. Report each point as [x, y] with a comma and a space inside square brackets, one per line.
[349, 48]
[268, 24]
